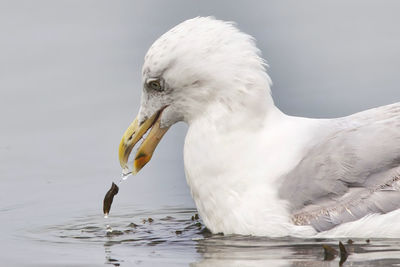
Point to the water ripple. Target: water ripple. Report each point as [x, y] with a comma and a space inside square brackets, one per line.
[176, 236]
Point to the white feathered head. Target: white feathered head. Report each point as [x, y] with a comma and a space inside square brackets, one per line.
[198, 63]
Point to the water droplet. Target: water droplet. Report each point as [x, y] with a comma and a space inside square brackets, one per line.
[125, 176]
[126, 172]
[109, 229]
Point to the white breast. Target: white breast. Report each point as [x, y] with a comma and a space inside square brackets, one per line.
[234, 175]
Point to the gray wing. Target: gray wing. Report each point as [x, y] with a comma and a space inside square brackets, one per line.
[353, 172]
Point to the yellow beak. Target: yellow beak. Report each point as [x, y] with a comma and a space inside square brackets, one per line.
[133, 134]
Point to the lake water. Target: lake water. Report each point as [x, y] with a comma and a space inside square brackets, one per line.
[70, 84]
[163, 236]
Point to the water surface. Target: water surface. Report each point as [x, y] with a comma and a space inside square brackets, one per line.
[173, 236]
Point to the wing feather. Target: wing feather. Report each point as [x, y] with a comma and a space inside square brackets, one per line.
[352, 172]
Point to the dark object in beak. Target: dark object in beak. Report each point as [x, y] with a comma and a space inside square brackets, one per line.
[108, 199]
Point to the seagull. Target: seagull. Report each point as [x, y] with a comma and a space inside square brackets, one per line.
[251, 169]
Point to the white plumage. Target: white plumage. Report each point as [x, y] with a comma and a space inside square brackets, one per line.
[252, 169]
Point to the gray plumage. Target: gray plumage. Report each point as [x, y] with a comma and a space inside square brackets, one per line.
[353, 171]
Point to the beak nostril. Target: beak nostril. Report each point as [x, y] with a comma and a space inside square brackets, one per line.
[130, 138]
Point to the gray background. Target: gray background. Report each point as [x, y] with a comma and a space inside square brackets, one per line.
[70, 85]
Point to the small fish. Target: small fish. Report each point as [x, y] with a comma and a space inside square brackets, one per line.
[108, 199]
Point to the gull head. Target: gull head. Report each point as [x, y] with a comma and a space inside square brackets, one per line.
[198, 64]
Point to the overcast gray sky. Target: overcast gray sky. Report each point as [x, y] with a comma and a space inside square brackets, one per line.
[70, 74]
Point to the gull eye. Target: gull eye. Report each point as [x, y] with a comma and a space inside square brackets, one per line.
[155, 85]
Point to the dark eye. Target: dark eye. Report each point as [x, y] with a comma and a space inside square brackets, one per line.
[155, 85]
